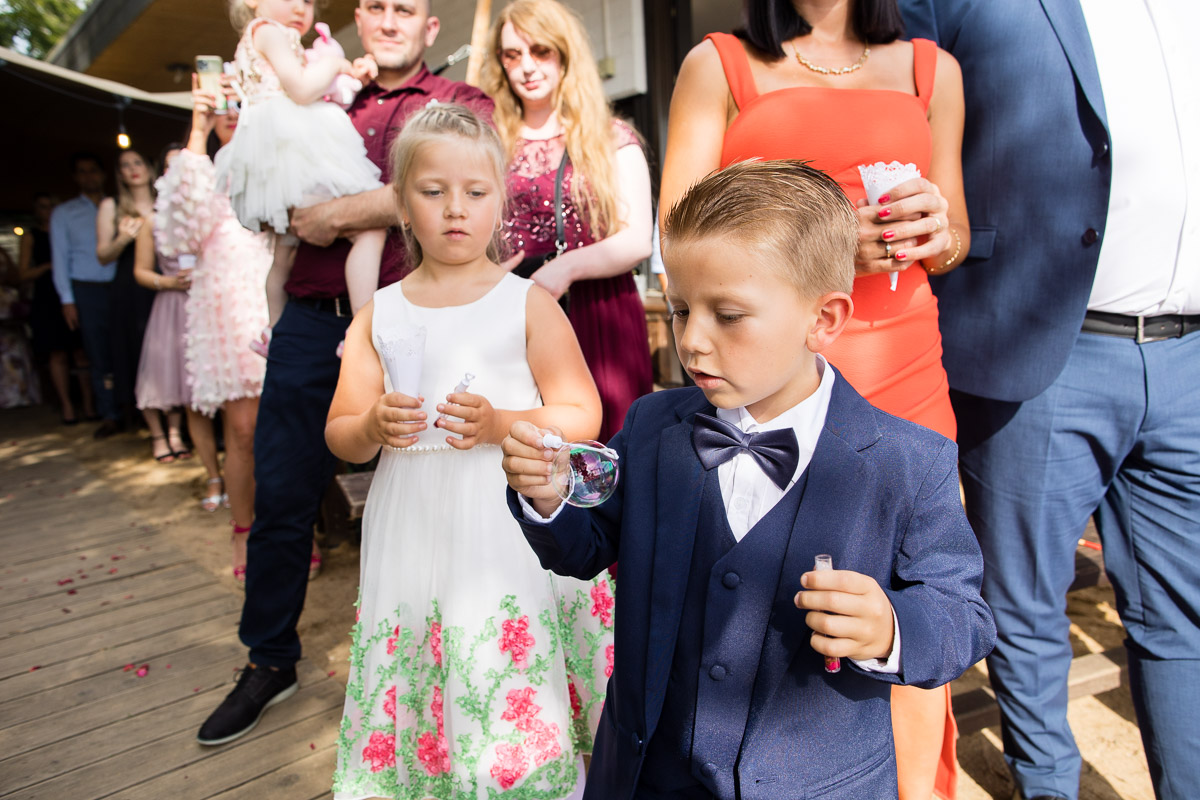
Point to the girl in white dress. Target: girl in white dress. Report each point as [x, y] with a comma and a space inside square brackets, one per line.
[292, 149]
[473, 671]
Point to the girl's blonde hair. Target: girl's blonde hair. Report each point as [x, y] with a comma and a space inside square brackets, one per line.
[579, 104]
[126, 207]
[241, 14]
[439, 121]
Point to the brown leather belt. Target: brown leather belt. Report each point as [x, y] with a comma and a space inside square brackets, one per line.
[1141, 329]
[338, 306]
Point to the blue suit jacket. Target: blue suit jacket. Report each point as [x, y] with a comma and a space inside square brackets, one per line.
[881, 497]
[1037, 172]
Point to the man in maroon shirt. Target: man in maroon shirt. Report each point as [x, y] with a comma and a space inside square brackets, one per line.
[292, 463]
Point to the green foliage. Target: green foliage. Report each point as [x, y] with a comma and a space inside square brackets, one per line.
[33, 27]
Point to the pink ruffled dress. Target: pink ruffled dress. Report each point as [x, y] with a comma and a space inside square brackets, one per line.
[226, 306]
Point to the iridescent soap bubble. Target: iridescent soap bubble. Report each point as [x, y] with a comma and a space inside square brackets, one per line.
[584, 474]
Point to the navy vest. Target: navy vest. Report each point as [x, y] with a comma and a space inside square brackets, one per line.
[731, 586]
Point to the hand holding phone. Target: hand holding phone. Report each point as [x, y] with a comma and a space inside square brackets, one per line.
[208, 70]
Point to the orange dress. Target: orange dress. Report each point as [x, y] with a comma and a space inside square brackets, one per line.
[891, 350]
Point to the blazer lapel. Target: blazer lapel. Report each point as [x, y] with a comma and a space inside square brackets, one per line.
[825, 523]
[1066, 17]
[680, 481]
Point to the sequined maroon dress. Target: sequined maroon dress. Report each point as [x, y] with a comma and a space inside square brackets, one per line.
[607, 313]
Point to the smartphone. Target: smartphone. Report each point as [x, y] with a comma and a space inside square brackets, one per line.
[208, 70]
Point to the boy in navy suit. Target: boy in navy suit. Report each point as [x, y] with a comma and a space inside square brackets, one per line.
[728, 492]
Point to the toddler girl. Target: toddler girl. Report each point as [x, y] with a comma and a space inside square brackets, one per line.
[473, 670]
[292, 149]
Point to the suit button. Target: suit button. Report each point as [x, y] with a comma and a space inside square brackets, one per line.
[731, 580]
[709, 770]
[716, 672]
[1090, 236]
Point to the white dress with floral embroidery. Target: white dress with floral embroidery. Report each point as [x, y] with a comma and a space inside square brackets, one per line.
[473, 671]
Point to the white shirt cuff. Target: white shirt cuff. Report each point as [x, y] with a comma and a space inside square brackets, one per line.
[533, 516]
[891, 664]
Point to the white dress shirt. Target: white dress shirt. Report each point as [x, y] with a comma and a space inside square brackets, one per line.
[749, 495]
[1148, 63]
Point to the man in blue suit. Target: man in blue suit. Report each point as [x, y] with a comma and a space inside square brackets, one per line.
[1071, 347]
[723, 685]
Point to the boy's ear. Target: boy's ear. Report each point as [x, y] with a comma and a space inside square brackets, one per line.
[832, 311]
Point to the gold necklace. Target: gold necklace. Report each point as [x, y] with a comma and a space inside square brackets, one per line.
[804, 62]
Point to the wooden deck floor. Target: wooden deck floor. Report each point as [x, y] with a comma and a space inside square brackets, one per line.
[87, 588]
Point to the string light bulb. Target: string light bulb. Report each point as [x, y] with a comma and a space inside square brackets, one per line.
[19, 231]
[123, 141]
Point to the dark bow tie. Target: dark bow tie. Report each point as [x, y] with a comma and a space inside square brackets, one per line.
[716, 441]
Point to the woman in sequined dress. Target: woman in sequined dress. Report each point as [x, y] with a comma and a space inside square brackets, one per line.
[550, 104]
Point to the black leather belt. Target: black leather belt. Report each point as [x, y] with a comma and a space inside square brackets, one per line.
[1141, 329]
[339, 306]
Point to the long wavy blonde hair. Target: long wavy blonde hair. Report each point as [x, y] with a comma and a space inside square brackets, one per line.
[579, 104]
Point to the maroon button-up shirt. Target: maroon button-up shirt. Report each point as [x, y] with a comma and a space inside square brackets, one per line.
[378, 115]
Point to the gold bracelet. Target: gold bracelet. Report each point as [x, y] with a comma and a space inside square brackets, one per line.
[950, 261]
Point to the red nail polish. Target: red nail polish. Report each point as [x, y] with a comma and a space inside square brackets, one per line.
[885, 198]
[884, 213]
[900, 256]
[888, 235]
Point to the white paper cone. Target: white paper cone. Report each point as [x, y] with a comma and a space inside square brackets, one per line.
[877, 179]
[403, 352]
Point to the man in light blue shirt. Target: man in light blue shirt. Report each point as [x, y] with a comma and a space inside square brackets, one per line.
[83, 283]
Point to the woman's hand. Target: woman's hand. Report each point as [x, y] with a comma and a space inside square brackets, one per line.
[203, 105]
[909, 224]
[180, 281]
[478, 424]
[128, 229]
[555, 276]
[395, 420]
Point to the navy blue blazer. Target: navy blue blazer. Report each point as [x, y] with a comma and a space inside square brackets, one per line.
[1037, 173]
[881, 497]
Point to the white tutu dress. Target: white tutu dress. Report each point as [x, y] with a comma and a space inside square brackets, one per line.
[473, 671]
[284, 155]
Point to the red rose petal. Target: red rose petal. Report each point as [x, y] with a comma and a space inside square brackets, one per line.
[65, 581]
[127, 667]
[72, 591]
[332, 672]
[312, 746]
[142, 670]
[35, 667]
[112, 571]
[196, 689]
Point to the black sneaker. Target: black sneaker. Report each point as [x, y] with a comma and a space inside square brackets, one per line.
[258, 688]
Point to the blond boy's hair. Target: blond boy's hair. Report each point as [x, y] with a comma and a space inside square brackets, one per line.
[792, 216]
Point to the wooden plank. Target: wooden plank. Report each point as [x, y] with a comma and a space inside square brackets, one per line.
[44, 581]
[104, 638]
[50, 760]
[44, 544]
[98, 598]
[157, 768]
[354, 487]
[30, 684]
[300, 780]
[76, 709]
[1091, 674]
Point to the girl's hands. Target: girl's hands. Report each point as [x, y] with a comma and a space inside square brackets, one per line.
[364, 69]
[478, 420]
[910, 223]
[395, 420]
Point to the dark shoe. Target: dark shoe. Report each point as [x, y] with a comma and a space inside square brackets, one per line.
[108, 428]
[1018, 796]
[258, 688]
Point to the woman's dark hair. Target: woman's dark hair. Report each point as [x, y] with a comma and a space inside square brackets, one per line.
[162, 155]
[770, 23]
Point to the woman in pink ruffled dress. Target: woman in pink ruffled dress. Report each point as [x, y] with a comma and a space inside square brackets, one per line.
[225, 307]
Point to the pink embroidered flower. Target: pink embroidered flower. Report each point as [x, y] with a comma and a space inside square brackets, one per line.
[576, 703]
[602, 603]
[380, 751]
[436, 708]
[391, 642]
[542, 741]
[389, 703]
[521, 708]
[434, 753]
[517, 640]
[608, 656]
[510, 765]
[435, 642]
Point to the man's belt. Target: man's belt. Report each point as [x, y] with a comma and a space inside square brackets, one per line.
[1141, 329]
[339, 306]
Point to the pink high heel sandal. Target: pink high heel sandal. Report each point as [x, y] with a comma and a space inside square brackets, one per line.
[239, 570]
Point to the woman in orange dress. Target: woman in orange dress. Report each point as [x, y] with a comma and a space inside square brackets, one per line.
[832, 83]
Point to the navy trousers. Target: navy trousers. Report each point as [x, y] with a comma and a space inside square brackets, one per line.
[1117, 435]
[93, 302]
[292, 467]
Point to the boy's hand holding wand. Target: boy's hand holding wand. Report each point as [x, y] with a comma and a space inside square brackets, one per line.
[849, 614]
[527, 465]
